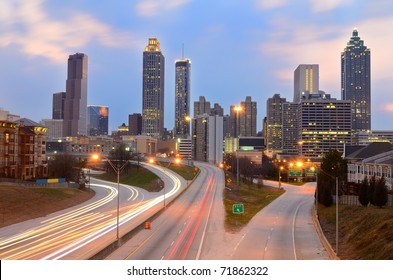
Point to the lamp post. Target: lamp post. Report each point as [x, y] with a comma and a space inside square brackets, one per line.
[279, 177]
[117, 170]
[177, 161]
[237, 109]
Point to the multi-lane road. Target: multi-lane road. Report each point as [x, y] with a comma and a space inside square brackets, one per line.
[82, 231]
[190, 227]
[180, 231]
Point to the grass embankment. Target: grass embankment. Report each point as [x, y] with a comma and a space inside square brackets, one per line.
[364, 232]
[144, 178]
[18, 204]
[187, 172]
[253, 197]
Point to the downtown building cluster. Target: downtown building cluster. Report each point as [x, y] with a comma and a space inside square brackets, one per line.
[308, 126]
[313, 122]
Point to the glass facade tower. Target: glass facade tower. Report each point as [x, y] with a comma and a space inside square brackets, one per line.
[355, 81]
[182, 98]
[153, 90]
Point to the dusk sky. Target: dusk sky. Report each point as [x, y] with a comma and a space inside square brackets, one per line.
[237, 48]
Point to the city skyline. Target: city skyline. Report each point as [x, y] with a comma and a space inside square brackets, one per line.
[263, 51]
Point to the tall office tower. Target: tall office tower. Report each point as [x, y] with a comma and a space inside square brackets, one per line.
[274, 131]
[207, 138]
[75, 103]
[248, 118]
[135, 124]
[217, 110]
[243, 119]
[355, 81]
[182, 98]
[201, 107]
[153, 90]
[306, 79]
[323, 124]
[97, 123]
[58, 105]
[290, 134]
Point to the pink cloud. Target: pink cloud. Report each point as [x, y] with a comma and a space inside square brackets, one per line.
[43, 36]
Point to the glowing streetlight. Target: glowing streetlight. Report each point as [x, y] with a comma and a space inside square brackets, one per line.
[117, 170]
[177, 161]
[279, 176]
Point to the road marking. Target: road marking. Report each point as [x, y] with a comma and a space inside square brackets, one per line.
[293, 229]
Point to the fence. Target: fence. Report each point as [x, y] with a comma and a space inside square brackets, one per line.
[354, 200]
[45, 183]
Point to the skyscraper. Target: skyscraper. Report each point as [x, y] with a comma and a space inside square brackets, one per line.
[248, 118]
[243, 119]
[355, 81]
[75, 103]
[182, 97]
[153, 90]
[306, 79]
[207, 138]
[135, 124]
[274, 121]
[97, 120]
[58, 105]
[201, 107]
[324, 123]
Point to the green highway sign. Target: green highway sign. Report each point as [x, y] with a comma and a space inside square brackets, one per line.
[238, 208]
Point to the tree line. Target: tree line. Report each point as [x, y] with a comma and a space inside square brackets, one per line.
[333, 167]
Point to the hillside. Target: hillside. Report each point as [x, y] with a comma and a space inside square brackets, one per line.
[18, 204]
[364, 232]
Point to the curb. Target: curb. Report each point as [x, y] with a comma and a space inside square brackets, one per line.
[332, 255]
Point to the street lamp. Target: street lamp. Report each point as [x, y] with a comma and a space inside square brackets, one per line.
[177, 161]
[117, 170]
[279, 176]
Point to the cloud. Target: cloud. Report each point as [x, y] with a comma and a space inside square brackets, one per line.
[271, 4]
[318, 6]
[26, 24]
[387, 107]
[150, 8]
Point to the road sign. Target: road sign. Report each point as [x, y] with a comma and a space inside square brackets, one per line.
[238, 208]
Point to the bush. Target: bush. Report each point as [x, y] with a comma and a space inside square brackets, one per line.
[363, 193]
[380, 196]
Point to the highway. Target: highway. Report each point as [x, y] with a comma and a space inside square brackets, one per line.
[283, 230]
[82, 231]
[179, 233]
[191, 227]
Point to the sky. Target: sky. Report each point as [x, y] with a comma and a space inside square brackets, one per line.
[237, 48]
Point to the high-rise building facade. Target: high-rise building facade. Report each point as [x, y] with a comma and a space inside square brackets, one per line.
[98, 117]
[58, 105]
[290, 133]
[323, 124]
[135, 124]
[207, 138]
[201, 107]
[182, 98]
[248, 118]
[153, 90]
[274, 109]
[306, 79]
[243, 119]
[355, 81]
[75, 103]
